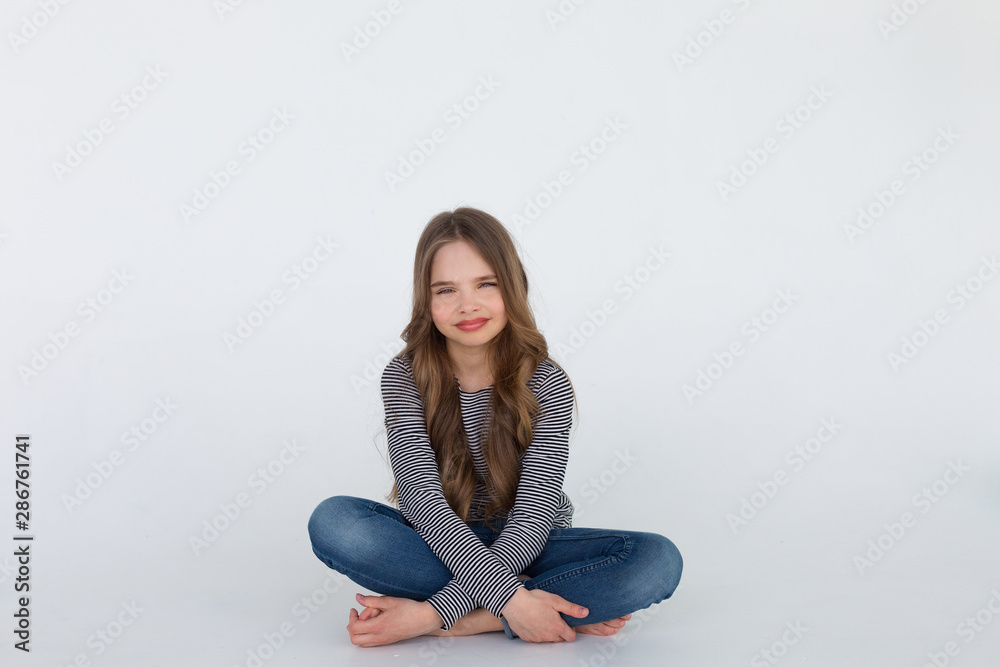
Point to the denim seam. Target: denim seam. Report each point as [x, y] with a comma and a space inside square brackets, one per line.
[608, 560]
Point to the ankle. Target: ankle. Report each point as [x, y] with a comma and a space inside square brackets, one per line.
[481, 620]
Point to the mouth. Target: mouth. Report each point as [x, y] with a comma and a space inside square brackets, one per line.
[472, 325]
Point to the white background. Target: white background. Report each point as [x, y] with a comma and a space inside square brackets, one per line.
[308, 372]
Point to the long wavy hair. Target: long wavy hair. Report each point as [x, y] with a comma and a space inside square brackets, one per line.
[513, 355]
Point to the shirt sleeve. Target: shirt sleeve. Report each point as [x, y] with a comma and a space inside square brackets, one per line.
[421, 499]
[543, 469]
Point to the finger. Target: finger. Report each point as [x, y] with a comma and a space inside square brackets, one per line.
[572, 609]
[361, 640]
[564, 632]
[376, 601]
[369, 626]
[358, 627]
[370, 612]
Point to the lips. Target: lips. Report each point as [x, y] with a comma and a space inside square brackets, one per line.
[471, 325]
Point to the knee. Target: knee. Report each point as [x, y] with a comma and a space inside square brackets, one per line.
[331, 519]
[664, 564]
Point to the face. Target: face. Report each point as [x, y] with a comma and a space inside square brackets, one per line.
[464, 287]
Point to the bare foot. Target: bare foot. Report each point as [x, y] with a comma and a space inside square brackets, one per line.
[475, 622]
[605, 628]
[389, 619]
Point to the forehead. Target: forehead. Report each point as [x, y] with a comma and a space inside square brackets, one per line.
[458, 260]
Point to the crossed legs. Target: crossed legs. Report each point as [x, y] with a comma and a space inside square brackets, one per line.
[611, 572]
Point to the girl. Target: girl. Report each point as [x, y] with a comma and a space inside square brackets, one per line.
[477, 421]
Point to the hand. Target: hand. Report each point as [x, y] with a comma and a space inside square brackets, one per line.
[388, 619]
[369, 612]
[534, 616]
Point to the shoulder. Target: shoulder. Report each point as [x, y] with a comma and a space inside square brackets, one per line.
[397, 374]
[550, 382]
[398, 364]
[548, 371]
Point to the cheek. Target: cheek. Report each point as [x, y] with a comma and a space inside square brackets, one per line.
[439, 311]
[496, 306]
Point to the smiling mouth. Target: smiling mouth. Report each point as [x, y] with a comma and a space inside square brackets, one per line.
[471, 325]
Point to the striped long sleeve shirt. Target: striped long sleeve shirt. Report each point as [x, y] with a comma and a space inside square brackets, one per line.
[482, 576]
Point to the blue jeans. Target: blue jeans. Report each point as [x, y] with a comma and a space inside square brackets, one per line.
[610, 572]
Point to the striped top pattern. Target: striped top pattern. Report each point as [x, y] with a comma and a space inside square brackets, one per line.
[482, 576]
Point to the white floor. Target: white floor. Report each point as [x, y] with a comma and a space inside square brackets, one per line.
[792, 591]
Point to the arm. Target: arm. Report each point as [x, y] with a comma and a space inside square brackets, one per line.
[543, 468]
[421, 501]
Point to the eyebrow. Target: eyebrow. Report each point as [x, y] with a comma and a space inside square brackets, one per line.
[439, 283]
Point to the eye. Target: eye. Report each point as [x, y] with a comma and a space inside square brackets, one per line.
[448, 289]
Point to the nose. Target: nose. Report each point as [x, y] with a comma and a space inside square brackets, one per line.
[469, 302]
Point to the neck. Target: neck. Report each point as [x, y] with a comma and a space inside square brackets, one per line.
[470, 363]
